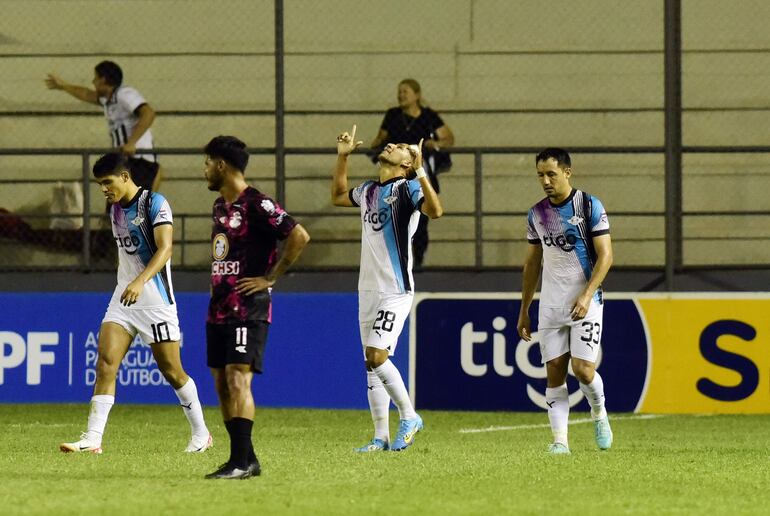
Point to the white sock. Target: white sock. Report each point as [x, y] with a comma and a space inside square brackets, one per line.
[97, 417]
[188, 398]
[394, 385]
[379, 405]
[594, 393]
[557, 399]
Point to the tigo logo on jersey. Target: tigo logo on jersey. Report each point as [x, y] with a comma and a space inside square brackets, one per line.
[376, 219]
[473, 345]
[128, 243]
[564, 242]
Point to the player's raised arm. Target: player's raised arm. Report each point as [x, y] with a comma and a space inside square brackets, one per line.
[431, 205]
[54, 82]
[346, 144]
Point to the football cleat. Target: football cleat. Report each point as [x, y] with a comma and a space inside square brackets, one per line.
[603, 433]
[558, 449]
[199, 444]
[228, 472]
[83, 445]
[407, 429]
[373, 446]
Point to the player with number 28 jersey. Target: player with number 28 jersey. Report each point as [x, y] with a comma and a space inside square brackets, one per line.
[390, 212]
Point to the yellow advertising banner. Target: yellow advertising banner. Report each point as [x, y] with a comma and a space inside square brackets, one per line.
[708, 355]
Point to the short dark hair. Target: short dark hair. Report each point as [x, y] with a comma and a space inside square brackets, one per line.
[110, 72]
[111, 164]
[559, 155]
[230, 149]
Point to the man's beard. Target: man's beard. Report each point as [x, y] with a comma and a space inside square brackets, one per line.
[383, 160]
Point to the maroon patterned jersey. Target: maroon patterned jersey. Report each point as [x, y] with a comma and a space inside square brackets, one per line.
[244, 243]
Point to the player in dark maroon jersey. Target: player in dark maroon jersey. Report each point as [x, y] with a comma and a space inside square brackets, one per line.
[246, 263]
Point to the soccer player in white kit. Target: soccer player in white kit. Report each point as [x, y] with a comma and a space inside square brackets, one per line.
[569, 234]
[390, 211]
[129, 117]
[143, 302]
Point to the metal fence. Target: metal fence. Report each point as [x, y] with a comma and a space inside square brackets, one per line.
[662, 103]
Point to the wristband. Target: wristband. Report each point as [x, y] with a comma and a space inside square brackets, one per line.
[420, 173]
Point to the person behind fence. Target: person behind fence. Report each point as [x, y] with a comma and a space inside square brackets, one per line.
[410, 122]
[247, 226]
[143, 303]
[569, 236]
[389, 208]
[129, 118]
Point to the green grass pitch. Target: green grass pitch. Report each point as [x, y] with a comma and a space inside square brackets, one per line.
[661, 465]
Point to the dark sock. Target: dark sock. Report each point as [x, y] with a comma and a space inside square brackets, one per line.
[229, 427]
[240, 442]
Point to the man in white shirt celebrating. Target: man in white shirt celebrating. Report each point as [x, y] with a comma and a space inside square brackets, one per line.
[390, 210]
[129, 117]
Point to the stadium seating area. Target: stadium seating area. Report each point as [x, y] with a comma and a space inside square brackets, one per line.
[490, 68]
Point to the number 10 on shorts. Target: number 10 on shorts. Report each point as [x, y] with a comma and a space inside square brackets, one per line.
[160, 332]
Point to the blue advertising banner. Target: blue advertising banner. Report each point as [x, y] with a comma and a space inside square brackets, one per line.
[467, 355]
[48, 352]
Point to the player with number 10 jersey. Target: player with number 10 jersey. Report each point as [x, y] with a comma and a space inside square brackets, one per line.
[143, 303]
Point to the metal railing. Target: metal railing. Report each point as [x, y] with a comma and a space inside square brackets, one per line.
[478, 213]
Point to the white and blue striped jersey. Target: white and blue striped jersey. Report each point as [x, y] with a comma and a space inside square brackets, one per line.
[389, 217]
[132, 228]
[566, 231]
[120, 111]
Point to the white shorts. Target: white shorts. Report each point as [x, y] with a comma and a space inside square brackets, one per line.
[381, 318]
[559, 334]
[159, 324]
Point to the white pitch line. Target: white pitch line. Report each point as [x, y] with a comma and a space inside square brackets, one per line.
[42, 425]
[546, 425]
